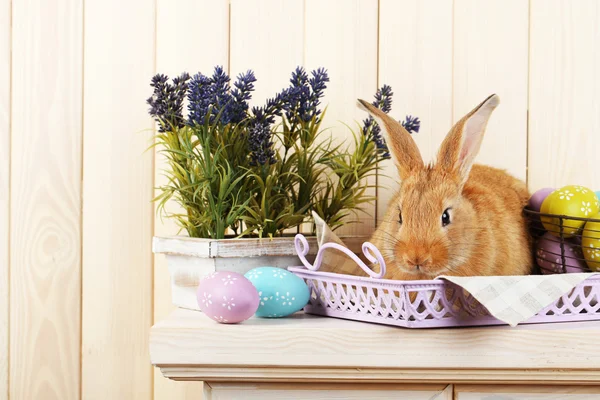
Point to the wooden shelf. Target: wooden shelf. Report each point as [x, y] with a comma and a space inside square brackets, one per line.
[189, 346]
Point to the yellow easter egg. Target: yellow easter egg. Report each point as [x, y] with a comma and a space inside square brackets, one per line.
[590, 243]
[550, 223]
[569, 201]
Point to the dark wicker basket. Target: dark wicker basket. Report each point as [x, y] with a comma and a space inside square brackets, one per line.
[557, 252]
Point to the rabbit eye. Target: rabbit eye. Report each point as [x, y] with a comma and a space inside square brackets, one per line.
[446, 217]
[400, 217]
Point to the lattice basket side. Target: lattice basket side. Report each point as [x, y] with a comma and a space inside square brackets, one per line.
[441, 301]
[435, 305]
[581, 303]
[357, 299]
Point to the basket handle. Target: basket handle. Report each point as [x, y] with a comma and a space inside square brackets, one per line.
[369, 250]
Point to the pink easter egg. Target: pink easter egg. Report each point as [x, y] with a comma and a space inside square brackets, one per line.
[549, 257]
[227, 297]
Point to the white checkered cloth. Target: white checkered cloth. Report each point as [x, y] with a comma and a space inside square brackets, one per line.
[511, 299]
[515, 299]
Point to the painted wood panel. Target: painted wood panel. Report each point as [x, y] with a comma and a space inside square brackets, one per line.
[520, 392]
[5, 45]
[45, 234]
[564, 94]
[266, 36]
[415, 59]
[341, 36]
[118, 188]
[319, 391]
[177, 34]
[494, 60]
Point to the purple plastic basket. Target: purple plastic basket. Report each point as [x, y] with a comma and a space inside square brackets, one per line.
[435, 303]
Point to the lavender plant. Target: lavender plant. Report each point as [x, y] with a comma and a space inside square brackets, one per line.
[261, 170]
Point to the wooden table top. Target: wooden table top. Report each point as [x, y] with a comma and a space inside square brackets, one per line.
[188, 345]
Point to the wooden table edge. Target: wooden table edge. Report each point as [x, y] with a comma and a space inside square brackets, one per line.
[381, 375]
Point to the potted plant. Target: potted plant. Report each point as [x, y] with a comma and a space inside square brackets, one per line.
[246, 179]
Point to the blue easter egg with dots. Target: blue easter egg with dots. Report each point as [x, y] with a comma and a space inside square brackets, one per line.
[281, 292]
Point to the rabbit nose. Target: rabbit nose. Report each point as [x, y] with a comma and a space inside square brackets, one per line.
[418, 262]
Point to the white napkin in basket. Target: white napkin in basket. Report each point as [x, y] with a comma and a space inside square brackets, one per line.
[511, 299]
[333, 260]
[515, 299]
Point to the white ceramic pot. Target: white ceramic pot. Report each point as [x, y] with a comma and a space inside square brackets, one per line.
[191, 259]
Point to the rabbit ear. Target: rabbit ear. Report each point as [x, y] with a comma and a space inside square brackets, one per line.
[403, 148]
[462, 143]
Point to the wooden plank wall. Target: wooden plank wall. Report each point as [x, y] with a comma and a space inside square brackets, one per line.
[118, 175]
[177, 36]
[266, 36]
[5, 63]
[564, 93]
[45, 198]
[79, 287]
[494, 61]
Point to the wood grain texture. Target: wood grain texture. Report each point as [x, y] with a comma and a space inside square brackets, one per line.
[494, 60]
[188, 338]
[45, 200]
[266, 36]
[177, 35]
[564, 94]
[270, 391]
[341, 36]
[5, 46]
[521, 392]
[117, 212]
[415, 59]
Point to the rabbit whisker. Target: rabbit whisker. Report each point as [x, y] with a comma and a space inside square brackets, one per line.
[385, 233]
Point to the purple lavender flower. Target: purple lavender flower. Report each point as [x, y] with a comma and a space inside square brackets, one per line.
[166, 102]
[220, 91]
[241, 94]
[411, 124]
[383, 101]
[300, 101]
[379, 141]
[260, 143]
[383, 98]
[199, 99]
[304, 94]
[214, 94]
[299, 77]
[318, 85]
